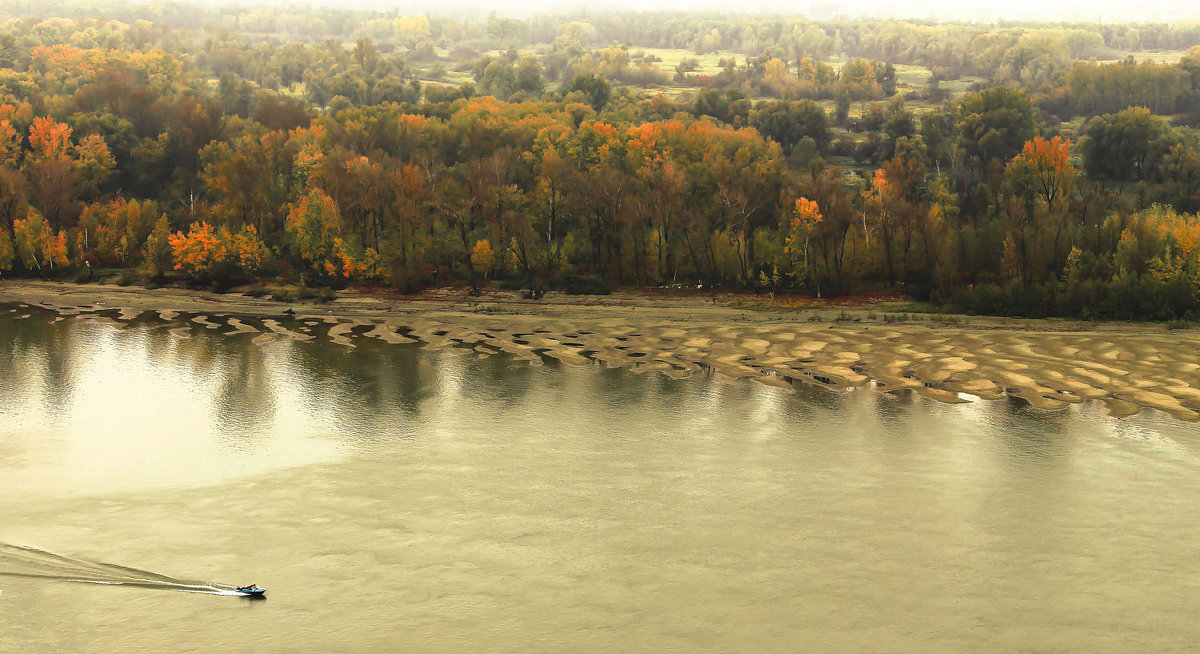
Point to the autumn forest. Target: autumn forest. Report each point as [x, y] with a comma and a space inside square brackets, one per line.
[1012, 169]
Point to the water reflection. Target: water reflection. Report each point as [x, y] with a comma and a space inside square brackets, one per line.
[38, 356]
[245, 394]
[124, 404]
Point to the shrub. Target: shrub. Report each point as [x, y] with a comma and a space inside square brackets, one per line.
[302, 292]
[512, 283]
[583, 285]
[1128, 296]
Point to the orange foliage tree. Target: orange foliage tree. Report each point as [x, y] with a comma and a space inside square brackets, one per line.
[61, 173]
[805, 217]
[218, 256]
[1039, 181]
[1047, 165]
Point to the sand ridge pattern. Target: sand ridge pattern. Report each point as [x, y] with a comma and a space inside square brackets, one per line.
[1047, 369]
[1126, 369]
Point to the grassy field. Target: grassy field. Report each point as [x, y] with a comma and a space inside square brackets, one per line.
[1157, 56]
[450, 78]
[912, 77]
[708, 63]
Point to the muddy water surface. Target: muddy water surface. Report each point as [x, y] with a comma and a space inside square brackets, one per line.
[399, 499]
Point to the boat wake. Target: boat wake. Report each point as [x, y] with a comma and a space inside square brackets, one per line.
[30, 562]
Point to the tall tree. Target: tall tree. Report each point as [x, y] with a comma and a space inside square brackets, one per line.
[994, 124]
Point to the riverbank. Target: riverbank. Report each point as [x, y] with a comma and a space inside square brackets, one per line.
[1048, 363]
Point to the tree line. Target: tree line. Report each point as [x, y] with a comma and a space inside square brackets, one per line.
[132, 158]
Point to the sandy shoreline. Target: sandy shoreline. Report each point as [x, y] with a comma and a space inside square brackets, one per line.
[1050, 364]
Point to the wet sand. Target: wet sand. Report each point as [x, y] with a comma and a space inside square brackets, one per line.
[1049, 364]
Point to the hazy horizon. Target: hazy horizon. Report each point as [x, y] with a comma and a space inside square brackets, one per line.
[942, 10]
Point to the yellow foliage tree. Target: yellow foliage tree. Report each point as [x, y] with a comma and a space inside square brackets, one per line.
[37, 245]
[775, 74]
[8, 253]
[482, 256]
[157, 249]
[113, 230]
[412, 28]
[315, 227]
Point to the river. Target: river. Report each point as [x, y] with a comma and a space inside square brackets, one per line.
[399, 499]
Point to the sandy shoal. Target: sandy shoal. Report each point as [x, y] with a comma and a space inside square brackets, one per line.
[1050, 364]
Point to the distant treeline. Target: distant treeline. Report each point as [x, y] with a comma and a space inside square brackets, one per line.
[277, 45]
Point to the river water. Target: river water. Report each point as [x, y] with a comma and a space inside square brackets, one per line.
[396, 499]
